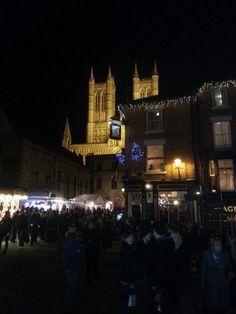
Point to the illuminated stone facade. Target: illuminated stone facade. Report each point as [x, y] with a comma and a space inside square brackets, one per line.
[101, 108]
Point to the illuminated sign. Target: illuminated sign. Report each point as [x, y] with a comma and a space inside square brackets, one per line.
[115, 130]
[230, 209]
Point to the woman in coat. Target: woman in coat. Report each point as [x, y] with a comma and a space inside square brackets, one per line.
[216, 272]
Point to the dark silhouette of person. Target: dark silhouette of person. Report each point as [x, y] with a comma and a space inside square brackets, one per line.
[91, 240]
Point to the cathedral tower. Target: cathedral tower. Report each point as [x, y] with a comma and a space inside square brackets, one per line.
[145, 87]
[101, 105]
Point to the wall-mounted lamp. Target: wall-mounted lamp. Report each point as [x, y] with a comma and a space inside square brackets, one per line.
[148, 186]
[177, 162]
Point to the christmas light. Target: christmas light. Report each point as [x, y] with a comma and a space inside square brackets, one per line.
[121, 158]
[160, 105]
[136, 153]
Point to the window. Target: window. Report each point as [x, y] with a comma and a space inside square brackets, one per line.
[154, 120]
[219, 98]
[226, 176]
[155, 158]
[103, 102]
[97, 102]
[98, 183]
[212, 171]
[113, 183]
[148, 91]
[222, 134]
[142, 93]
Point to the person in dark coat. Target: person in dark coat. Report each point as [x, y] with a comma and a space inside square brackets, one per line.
[35, 222]
[143, 253]
[216, 272]
[5, 229]
[22, 226]
[178, 285]
[71, 253]
[91, 240]
[162, 248]
[128, 270]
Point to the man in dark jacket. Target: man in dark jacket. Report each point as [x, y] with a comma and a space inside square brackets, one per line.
[143, 255]
[5, 229]
[160, 264]
[72, 250]
[91, 240]
[22, 226]
[179, 273]
[35, 221]
[128, 270]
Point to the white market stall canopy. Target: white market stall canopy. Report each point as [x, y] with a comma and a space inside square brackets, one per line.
[89, 200]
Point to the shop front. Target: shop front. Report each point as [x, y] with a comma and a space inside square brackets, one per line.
[45, 201]
[10, 200]
[164, 202]
[220, 211]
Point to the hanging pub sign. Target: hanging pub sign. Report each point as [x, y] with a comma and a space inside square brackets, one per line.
[115, 129]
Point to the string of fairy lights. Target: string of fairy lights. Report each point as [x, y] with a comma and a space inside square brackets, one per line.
[136, 152]
[160, 105]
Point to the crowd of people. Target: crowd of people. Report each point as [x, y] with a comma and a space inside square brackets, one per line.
[155, 260]
[157, 263]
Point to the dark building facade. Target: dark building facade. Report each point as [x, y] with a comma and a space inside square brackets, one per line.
[30, 170]
[180, 154]
[107, 178]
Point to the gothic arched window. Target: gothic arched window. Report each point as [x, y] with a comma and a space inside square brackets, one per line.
[142, 93]
[103, 101]
[97, 102]
[148, 92]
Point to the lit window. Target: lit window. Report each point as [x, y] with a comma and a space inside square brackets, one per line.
[219, 98]
[154, 120]
[222, 134]
[155, 158]
[212, 171]
[103, 102]
[142, 93]
[97, 102]
[148, 92]
[226, 174]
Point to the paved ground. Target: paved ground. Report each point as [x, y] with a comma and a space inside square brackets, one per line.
[31, 282]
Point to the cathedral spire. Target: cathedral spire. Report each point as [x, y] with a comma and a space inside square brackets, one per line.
[91, 75]
[155, 69]
[135, 70]
[66, 140]
[109, 73]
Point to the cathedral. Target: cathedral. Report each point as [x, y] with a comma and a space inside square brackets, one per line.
[102, 109]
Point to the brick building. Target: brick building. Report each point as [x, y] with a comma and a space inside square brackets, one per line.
[180, 154]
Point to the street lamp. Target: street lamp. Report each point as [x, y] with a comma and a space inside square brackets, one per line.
[177, 162]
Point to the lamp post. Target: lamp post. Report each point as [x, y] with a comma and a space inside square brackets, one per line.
[177, 162]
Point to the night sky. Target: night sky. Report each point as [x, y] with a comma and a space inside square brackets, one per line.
[48, 48]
